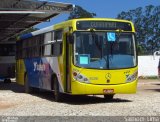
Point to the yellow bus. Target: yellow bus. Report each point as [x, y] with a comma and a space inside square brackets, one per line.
[90, 56]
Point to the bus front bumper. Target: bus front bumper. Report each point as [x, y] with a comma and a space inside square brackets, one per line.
[79, 88]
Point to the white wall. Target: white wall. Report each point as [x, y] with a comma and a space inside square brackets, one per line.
[148, 65]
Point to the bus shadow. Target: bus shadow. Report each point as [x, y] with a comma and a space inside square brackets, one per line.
[78, 99]
[13, 86]
[68, 99]
[82, 100]
[155, 90]
[154, 87]
[157, 84]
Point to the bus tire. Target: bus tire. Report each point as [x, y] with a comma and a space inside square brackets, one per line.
[108, 97]
[57, 94]
[27, 88]
[7, 80]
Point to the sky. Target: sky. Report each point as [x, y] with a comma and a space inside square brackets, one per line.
[102, 8]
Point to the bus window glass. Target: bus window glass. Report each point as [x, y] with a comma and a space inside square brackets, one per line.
[47, 50]
[105, 52]
[57, 45]
[47, 38]
[53, 38]
[58, 35]
[47, 47]
[57, 49]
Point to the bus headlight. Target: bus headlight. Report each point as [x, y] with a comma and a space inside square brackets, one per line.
[81, 78]
[132, 77]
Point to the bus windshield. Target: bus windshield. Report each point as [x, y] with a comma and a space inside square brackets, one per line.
[104, 50]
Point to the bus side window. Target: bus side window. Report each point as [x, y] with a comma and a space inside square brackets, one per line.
[47, 46]
[57, 48]
[42, 50]
[52, 43]
[41, 45]
[36, 51]
[58, 36]
[57, 45]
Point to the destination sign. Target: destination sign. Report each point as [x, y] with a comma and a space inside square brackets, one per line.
[103, 25]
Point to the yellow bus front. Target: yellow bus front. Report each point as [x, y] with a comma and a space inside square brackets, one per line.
[103, 58]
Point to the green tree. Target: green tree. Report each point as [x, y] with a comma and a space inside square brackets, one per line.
[147, 24]
[79, 12]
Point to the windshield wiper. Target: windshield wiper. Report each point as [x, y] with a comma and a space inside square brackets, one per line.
[96, 42]
[118, 34]
[98, 45]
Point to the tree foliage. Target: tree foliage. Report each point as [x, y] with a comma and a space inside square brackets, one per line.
[79, 12]
[147, 24]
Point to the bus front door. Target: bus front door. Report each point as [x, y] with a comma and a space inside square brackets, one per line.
[68, 66]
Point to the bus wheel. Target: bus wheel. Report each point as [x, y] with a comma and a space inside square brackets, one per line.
[7, 81]
[27, 88]
[108, 96]
[57, 94]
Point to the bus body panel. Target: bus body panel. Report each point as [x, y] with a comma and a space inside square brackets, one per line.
[72, 23]
[20, 71]
[91, 89]
[39, 72]
[98, 81]
[104, 77]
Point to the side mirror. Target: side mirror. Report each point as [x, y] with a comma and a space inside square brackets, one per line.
[70, 39]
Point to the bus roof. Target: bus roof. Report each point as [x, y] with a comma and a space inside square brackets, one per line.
[67, 24]
[73, 22]
[34, 33]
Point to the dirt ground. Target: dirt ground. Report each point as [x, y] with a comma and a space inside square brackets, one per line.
[14, 102]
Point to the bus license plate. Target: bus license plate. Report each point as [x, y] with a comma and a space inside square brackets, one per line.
[107, 91]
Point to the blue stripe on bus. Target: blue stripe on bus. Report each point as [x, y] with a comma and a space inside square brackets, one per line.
[39, 72]
[25, 36]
